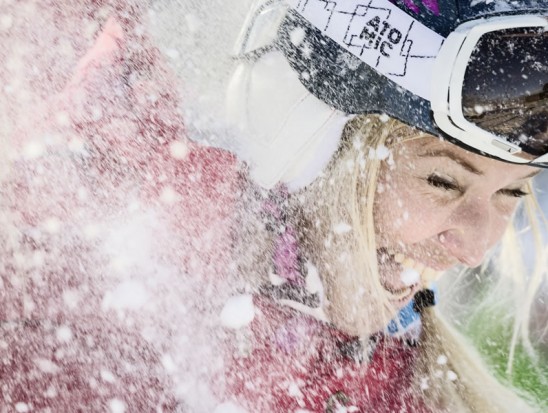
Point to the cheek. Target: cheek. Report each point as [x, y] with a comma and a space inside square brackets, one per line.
[501, 214]
[501, 222]
[404, 215]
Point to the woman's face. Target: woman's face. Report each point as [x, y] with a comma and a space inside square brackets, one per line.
[438, 205]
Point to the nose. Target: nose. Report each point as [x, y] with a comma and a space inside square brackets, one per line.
[473, 228]
[466, 252]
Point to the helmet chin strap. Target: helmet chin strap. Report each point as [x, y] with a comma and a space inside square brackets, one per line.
[288, 134]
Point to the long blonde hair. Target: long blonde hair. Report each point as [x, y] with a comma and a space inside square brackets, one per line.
[336, 222]
[341, 240]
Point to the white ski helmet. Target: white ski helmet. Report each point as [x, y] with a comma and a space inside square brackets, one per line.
[474, 74]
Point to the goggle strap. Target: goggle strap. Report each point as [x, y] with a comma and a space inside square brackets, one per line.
[381, 35]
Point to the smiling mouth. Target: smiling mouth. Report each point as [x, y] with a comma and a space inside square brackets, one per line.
[425, 274]
[414, 275]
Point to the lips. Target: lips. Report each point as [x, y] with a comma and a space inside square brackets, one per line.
[401, 294]
[413, 274]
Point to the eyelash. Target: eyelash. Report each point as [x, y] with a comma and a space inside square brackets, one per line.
[438, 182]
[516, 193]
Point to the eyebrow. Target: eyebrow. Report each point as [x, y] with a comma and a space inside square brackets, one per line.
[455, 157]
[532, 174]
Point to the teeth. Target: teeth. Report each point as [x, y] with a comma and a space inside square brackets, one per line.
[413, 273]
[426, 274]
[408, 263]
[429, 275]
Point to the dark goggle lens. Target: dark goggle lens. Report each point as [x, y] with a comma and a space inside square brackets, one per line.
[505, 87]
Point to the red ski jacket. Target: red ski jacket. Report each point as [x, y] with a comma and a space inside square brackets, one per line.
[287, 361]
[113, 222]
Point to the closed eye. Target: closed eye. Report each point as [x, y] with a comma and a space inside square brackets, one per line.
[516, 193]
[443, 183]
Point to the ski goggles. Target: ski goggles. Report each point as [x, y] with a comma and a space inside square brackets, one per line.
[490, 87]
[483, 87]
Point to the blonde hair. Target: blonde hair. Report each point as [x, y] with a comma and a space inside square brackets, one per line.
[336, 222]
[341, 240]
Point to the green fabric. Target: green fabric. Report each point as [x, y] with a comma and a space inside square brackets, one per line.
[492, 337]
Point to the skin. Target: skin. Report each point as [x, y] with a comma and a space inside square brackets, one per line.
[441, 205]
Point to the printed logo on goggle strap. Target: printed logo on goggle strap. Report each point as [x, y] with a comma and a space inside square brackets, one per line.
[381, 35]
[431, 5]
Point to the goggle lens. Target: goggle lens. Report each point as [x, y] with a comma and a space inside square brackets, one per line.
[505, 88]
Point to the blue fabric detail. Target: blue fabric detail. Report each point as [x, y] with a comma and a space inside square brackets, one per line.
[403, 320]
[407, 317]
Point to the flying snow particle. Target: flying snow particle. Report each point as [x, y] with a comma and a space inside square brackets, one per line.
[28, 304]
[275, 279]
[46, 366]
[238, 311]
[82, 194]
[52, 225]
[76, 145]
[229, 407]
[120, 264]
[22, 407]
[442, 359]
[116, 406]
[172, 53]
[96, 113]
[382, 152]
[451, 375]
[33, 150]
[313, 282]
[168, 195]
[479, 109]
[384, 118]
[129, 295]
[91, 231]
[107, 376]
[168, 363]
[62, 118]
[409, 276]
[51, 392]
[63, 334]
[6, 22]
[38, 258]
[294, 391]
[342, 228]
[297, 36]
[178, 150]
